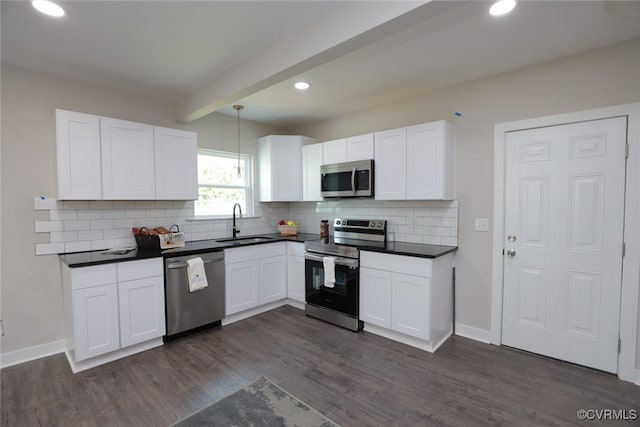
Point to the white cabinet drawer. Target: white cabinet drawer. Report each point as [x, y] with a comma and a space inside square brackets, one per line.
[295, 248]
[396, 263]
[95, 275]
[132, 270]
[254, 252]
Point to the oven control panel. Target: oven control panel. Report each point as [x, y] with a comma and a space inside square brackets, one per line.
[361, 224]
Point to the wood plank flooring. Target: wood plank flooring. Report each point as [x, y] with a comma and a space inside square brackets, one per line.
[356, 379]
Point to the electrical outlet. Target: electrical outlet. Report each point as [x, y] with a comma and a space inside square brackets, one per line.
[482, 224]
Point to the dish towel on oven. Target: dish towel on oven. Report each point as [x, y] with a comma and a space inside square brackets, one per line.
[329, 264]
[196, 274]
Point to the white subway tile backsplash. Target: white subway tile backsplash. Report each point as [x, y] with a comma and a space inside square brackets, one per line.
[75, 204]
[101, 204]
[90, 235]
[113, 214]
[89, 214]
[123, 243]
[48, 226]
[77, 225]
[60, 215]
[102, 244]
[45, 204]
[49, 248]
[77, 246]
[63, 236]
[115, 233]
[102, 224]
[135, 213]
[145, 204]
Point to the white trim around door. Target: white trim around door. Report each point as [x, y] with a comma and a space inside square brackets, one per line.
[631, 261]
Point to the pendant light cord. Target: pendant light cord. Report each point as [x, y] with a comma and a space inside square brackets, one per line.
[238, 108]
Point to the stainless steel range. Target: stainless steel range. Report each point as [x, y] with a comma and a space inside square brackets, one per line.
[332, 282]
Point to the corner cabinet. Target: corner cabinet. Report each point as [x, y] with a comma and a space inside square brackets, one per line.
[280, 167]
[101, 158]
[254, 276]
[112, 310]
[416, 163]
[408, 299]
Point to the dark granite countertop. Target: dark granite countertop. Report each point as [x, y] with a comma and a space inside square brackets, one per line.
[84, 259]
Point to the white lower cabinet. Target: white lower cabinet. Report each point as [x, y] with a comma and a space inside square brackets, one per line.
[407, 298]
[111, 308]
[255, 275]
[295, 271]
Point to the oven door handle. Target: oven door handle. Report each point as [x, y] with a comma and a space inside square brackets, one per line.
[347, 262]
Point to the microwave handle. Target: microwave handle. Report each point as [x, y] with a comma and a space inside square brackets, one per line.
[353, 180]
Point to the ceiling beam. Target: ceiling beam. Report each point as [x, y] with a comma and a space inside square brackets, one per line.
[352, 26]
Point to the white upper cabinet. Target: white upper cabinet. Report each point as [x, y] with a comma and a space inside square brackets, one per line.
[416, 163]
[78, 150]
[280, 167]
[391, 164]
[431, 161]
[176, 164]
[128, 165]
[348, 149]
[110, 159]
[311, 162]
[334, 151]
[360, 147]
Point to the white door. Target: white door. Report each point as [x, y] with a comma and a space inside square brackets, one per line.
[295, 277]
[95, 321]
[410, 302]
[425, 161]
[375, 297]
[273, 279]
[391, 164]
[334, 151]
[360, 147]
[176, 164]
[128, 161]
[241, 286]
[141, 310]
[563, 241]
[311, 162]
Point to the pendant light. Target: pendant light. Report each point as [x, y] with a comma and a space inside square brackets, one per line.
[238, 108]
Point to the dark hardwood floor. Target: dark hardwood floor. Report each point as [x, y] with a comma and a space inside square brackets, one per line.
[356, 379]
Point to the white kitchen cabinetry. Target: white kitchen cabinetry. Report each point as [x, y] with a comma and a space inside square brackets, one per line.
[348, 149]
[408, 299]
[431, 161]
[128, 166]
[360, 147]
[100, 158]
[295, 271]
[112, 310]
[280, 167]
[311, 162]
[176, 164]
[391, 164]
[78, 155]
[416, 163]
[254, 276]
[334, 151]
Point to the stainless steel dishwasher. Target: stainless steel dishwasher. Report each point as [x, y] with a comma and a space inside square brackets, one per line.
[186, 311]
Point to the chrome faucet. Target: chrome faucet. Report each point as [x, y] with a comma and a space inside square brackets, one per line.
[235, 229]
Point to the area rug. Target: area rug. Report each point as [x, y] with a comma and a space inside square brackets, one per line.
[261, 403]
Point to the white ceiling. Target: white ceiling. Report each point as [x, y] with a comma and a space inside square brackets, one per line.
[190, 52]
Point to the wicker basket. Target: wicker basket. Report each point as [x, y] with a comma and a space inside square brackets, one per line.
[288, 230]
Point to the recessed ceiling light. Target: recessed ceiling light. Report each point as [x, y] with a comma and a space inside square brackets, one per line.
[48, 8]
[302, 85]
[502, 7]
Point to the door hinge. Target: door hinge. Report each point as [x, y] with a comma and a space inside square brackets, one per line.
[626, 150]
[502, 251]
[1, 327]
[619, 345]
[624, 249]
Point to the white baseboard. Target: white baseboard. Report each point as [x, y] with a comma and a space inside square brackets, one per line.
[473, 333]
[31, 353]
[294, 303]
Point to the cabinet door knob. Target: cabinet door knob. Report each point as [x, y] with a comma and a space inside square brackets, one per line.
[511, 252]
[511, 238]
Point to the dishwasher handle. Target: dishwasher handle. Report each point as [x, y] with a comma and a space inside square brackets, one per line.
[175, 265]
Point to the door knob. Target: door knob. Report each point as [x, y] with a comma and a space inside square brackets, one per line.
[511, 252]
[511, 238]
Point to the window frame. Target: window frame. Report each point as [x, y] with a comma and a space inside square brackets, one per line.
[248, 188]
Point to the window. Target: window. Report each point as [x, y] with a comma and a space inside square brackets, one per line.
[219, 185]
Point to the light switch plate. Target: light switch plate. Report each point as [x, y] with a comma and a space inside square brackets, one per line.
[482, 224]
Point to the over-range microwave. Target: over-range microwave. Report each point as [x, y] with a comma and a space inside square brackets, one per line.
[349, 179]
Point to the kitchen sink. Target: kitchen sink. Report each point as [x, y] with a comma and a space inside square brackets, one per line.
[245, 240]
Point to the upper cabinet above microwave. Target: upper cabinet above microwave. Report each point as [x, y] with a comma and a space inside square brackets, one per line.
[348, 149]
[100, 158]
[416, 163]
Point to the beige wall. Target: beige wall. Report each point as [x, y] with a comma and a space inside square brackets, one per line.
[598, 78]
[31, 285]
